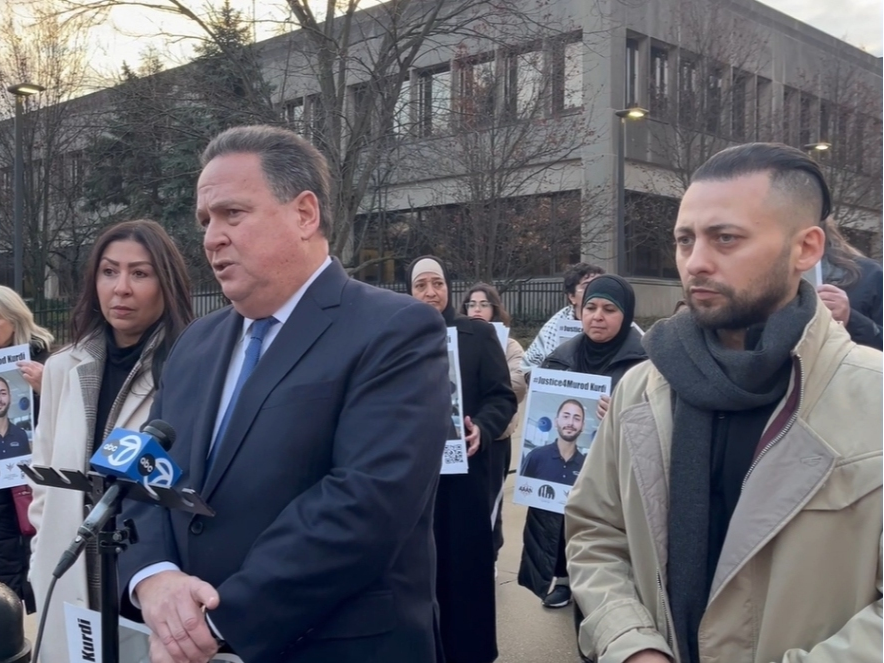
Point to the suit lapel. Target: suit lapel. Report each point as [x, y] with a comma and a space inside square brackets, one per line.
[211, 365]
[306, 324]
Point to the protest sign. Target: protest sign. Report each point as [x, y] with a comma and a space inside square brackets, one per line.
[16, 416]
[454, 458]
[503, 334]
[559, 426]
[83, 627]
[567, 329]
[814, 275]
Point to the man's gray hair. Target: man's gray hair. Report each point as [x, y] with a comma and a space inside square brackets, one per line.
[291, 165]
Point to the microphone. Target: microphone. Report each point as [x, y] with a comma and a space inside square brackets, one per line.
[139, 457]
[125, 454]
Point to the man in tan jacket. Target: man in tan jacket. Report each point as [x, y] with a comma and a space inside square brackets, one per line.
[729, 510]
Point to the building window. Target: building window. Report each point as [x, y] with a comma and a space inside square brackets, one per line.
[631, 97]
[650, 248]
[688, 90]
[434, 101]
[738, 112]
[806, 119]
[763, 109]
[477, 92]
[659, 80]
[294, 115]
[791, 98]
[524, 84]
[401, 124]
[826, 120]
[572, 77]
[713, 107]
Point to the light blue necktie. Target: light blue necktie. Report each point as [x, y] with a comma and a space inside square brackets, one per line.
[253, 354]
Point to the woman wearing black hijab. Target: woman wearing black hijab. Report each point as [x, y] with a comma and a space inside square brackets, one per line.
[610, 346]
[462, 518]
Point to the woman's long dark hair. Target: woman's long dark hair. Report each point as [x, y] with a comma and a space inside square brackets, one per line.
[841, 256]
[86, 318]
[500, 314]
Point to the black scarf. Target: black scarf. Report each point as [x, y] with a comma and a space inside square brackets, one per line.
[705, 378]
[595, 357]
[448, 312]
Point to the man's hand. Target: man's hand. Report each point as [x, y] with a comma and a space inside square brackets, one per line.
[172, 604]
[32, 372]
[602, 408]
[474, 436]
[648, 656]
[836, 301]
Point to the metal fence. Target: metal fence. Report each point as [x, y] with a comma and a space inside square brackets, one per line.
[529, 302]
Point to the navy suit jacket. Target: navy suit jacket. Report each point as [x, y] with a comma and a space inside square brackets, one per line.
[321, 547]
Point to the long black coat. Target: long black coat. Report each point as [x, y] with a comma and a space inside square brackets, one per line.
[465, 550]
[15, 548]
[543, 529]
[864, 324]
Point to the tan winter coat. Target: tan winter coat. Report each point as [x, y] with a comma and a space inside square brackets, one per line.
[799, 578]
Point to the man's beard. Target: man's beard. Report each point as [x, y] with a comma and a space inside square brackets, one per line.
[741, 310]
[568, 437]
[4, 410]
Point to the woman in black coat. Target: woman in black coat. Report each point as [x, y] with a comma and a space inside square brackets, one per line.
[610, 346]
[17, 327]
[852, 289]
[462, 519]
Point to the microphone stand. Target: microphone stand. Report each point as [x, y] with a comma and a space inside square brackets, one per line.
[112, 540]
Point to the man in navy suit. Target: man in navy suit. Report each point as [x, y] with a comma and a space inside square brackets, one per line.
[311, 415]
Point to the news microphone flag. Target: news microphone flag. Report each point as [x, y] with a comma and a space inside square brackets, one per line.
[139, 457]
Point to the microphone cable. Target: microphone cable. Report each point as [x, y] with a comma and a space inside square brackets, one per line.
[42, 627]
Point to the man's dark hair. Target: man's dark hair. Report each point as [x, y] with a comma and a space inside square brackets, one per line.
[576, 273]
[791, 171]
[291, 165]
[6, 382]
[575, 402]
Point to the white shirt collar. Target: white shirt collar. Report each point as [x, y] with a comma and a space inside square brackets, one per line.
[282, 314]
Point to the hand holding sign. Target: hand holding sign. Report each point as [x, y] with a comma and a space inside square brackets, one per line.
[836, 301]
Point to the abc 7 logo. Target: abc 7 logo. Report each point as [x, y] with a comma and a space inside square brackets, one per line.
[146, 465]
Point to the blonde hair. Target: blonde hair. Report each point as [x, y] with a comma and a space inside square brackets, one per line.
[14, 310]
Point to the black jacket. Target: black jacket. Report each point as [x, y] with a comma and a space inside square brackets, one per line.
[864, 324]
[462, 523]
[543, 529]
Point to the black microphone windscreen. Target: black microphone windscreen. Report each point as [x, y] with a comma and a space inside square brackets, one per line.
[162, 431]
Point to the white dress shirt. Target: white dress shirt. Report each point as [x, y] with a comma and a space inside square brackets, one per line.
[237, 356]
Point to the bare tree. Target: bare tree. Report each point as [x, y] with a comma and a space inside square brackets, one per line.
[53, 53]
[350, 67]
[704, 90]
[840, 106]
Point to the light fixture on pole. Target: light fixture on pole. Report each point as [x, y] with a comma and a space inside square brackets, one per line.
[818, 147]
[632, 113]
[20, 91]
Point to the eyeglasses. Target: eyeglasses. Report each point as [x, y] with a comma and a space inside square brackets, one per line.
[482, 305]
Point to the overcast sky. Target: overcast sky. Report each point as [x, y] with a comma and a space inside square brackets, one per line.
[859, 22]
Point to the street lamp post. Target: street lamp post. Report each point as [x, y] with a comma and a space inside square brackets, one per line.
[634, 113]
[20, 91]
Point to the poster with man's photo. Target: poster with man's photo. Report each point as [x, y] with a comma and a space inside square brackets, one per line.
[559, 426]
[16, 416]
[568, 329]
[454, 458]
